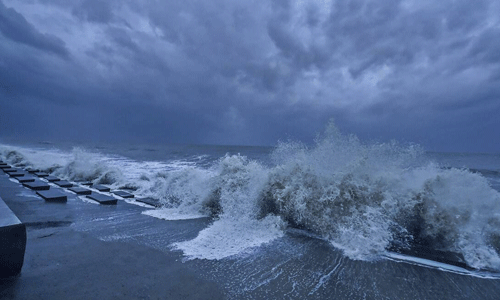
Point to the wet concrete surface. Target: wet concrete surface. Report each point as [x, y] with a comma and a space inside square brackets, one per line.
[68, 256]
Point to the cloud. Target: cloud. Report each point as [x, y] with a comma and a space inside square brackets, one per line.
[249, 72]
[98, 11]
[15, 27]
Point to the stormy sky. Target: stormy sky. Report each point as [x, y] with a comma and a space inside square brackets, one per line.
[251, 72]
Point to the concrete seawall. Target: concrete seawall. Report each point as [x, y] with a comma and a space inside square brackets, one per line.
[12, 242]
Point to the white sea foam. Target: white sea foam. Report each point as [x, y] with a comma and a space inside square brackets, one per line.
[27, 194]
[440, 266]
[229, 237]
[85, 199]
[172, 214]
[363, 198]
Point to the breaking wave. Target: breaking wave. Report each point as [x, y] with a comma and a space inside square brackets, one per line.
[365, 199]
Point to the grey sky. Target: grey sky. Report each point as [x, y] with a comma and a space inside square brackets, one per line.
[251, 72]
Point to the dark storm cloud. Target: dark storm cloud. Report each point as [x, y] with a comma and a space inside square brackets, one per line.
[15, 27]
[245, 72]
[486, 48]
[94, 11]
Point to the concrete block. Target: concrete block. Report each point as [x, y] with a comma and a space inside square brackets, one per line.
[25, 179]
[41, 174]
[63, 183]
[3, 165]
[53, 196]
[10, 170]
[123, 194]
[149, 201]
[86, 183]
[32, 171]
[12, 242]
[102, 199]
[51, 178]
[37, 185]
[80, 191]
[101, 188]
[16, 174]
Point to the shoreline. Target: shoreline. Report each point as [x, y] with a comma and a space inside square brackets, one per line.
[83, 250]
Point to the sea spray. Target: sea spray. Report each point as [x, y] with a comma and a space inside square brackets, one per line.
[367, 198]
[364, 198]
[88, 166]
[347, 192]
[235, 187]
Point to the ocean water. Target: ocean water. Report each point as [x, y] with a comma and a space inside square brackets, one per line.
[351, 201]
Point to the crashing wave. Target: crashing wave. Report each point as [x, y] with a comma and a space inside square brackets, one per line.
[365, 199]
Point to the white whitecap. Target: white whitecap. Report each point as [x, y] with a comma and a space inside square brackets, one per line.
[229, 237]
[172, 214]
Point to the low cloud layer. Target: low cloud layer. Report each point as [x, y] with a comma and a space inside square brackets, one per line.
[248, 72]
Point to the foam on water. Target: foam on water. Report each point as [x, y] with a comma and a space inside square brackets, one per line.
[85, 199]
[365, 199]
[172, 214]
[441, 266]
[25, 194]
[226, 237]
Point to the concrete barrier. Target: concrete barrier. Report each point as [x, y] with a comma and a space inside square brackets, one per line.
[16, 174]
[52, 178]
[80, 191]
[12, 242]
[52, 196]
[37, 185]
[63, 183]
[123, 194]
[26, 179]
[41, 174]
[102, 199]
[101, 188]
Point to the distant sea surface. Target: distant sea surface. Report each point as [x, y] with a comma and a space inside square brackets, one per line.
[310, 220]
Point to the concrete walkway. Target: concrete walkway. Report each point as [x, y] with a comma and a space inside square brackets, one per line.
[66, 257]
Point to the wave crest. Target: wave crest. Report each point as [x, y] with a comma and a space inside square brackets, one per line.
[365, 198]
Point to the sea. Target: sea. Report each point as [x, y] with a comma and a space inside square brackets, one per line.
[339, 218]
